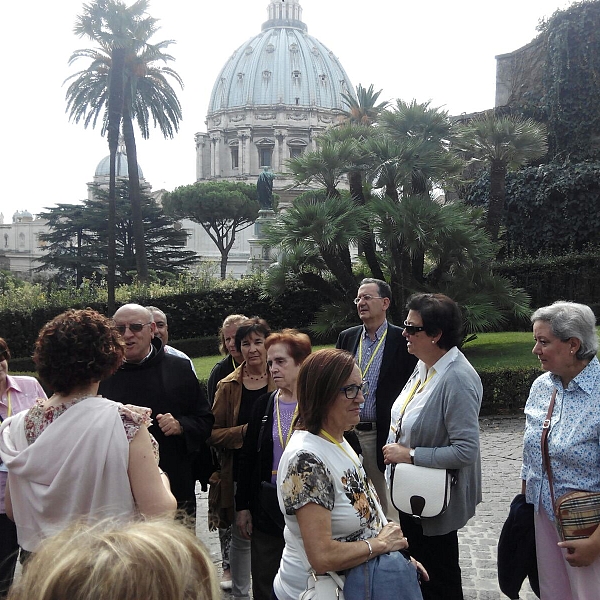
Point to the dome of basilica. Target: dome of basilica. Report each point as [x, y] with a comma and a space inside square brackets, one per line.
[281, 65]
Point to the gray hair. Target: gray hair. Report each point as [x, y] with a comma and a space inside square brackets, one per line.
[571, 320]
[153, 309]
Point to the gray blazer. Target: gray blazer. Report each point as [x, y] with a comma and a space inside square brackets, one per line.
[446, 436]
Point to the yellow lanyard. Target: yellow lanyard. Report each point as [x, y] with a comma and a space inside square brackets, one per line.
[360, 345]
[279, 429]
[334, 441]
[8, 403]
[415, 390]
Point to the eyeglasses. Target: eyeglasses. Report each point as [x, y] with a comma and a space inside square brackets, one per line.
[412, 329]
[367, 297]
[133, 327]
[351, 391]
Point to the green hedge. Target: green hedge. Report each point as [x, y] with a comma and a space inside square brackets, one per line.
[192, 316]
[506, 390]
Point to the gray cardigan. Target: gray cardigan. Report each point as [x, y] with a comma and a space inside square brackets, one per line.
[446, 436]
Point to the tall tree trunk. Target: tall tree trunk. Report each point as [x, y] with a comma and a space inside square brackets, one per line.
[115, 112]
[368, 244]
[497, 196]
[141, 261]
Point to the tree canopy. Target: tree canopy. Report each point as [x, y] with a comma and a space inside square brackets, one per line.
[77, 247]
[223, 208]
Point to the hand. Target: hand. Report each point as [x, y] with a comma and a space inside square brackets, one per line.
[580, 553]
[393, 538]
[395, 453]
[420, 568]
[169, 425]
[243, 522]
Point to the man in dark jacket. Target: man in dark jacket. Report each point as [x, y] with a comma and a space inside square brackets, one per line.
[386, 365]
[166, 384]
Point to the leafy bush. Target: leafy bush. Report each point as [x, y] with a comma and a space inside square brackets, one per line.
[506, 390]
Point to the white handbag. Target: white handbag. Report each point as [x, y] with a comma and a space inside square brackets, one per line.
[324, 587]
[420, 491]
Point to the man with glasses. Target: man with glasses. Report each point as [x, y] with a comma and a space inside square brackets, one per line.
[380, 352]
[182, 420]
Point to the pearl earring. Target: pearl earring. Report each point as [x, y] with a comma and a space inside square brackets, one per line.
[433, 341]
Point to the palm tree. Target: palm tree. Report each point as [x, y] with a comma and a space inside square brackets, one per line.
[363, 110]
[505, 143]
[123, 34]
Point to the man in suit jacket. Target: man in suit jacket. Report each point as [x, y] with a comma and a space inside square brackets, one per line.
[386, 365]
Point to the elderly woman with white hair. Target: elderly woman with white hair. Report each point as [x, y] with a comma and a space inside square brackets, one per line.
[567, 396]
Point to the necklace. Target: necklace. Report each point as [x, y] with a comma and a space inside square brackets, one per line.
[254, 378]
[280, 429]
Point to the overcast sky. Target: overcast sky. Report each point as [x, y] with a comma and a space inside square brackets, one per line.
[430, 50]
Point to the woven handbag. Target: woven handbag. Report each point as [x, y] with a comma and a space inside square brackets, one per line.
[577, 514]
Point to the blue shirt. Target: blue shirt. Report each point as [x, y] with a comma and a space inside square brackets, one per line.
[573, 440]
[368, 412]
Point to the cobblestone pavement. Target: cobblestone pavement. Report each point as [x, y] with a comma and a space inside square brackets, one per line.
[501, 441]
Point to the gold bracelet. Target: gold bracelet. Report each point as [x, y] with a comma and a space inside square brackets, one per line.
[368, 543]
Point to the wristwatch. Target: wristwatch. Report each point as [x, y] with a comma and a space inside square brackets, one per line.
[412, 456]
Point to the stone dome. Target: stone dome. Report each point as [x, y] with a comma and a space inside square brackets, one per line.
[122, 170]
[282, 65]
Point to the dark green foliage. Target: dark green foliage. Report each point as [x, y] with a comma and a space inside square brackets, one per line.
[573, 276]
[550, 209]
[506, 390]
[572, 99]
[191, 315]
[223, 208]
[77, 241]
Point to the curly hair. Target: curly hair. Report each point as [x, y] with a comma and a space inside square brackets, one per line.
[152, 560]
[76, 348]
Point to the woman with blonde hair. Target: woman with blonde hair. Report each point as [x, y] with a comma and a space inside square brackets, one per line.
[152, 560]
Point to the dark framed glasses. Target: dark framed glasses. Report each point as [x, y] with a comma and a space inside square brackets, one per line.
[133, 327]
[412, 329]
[351, 391]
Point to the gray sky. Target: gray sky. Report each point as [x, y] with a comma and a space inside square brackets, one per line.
[430, 50]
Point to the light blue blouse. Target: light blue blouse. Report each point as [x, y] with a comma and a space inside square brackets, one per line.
[573, 440]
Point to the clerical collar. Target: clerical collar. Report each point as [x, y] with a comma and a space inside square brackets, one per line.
[143, 359]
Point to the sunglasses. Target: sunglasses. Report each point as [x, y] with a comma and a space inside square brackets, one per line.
[351, 391]
[133, 327]
[412, 329]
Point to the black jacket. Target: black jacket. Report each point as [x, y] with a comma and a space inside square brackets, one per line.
[255, 465]
[396, 367]
[166, 384]
[223, 368]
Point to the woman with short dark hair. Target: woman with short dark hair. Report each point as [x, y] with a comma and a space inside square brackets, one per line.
[332, 514]
[76, 444]
[435, 423]
[236, 395]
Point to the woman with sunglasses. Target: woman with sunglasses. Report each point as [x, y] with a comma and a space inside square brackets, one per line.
[77, 455]
[435, 424]
[332, 514]
[17, 393]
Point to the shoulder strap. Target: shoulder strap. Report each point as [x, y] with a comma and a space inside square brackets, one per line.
[264, 421]
[545, 453]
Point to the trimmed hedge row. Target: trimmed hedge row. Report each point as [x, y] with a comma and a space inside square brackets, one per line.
[192, 316]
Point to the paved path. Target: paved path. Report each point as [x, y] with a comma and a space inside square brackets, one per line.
[501, 439]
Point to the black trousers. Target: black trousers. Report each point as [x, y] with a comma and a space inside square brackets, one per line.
[9, 551]
[439, 555]
[265, 556]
